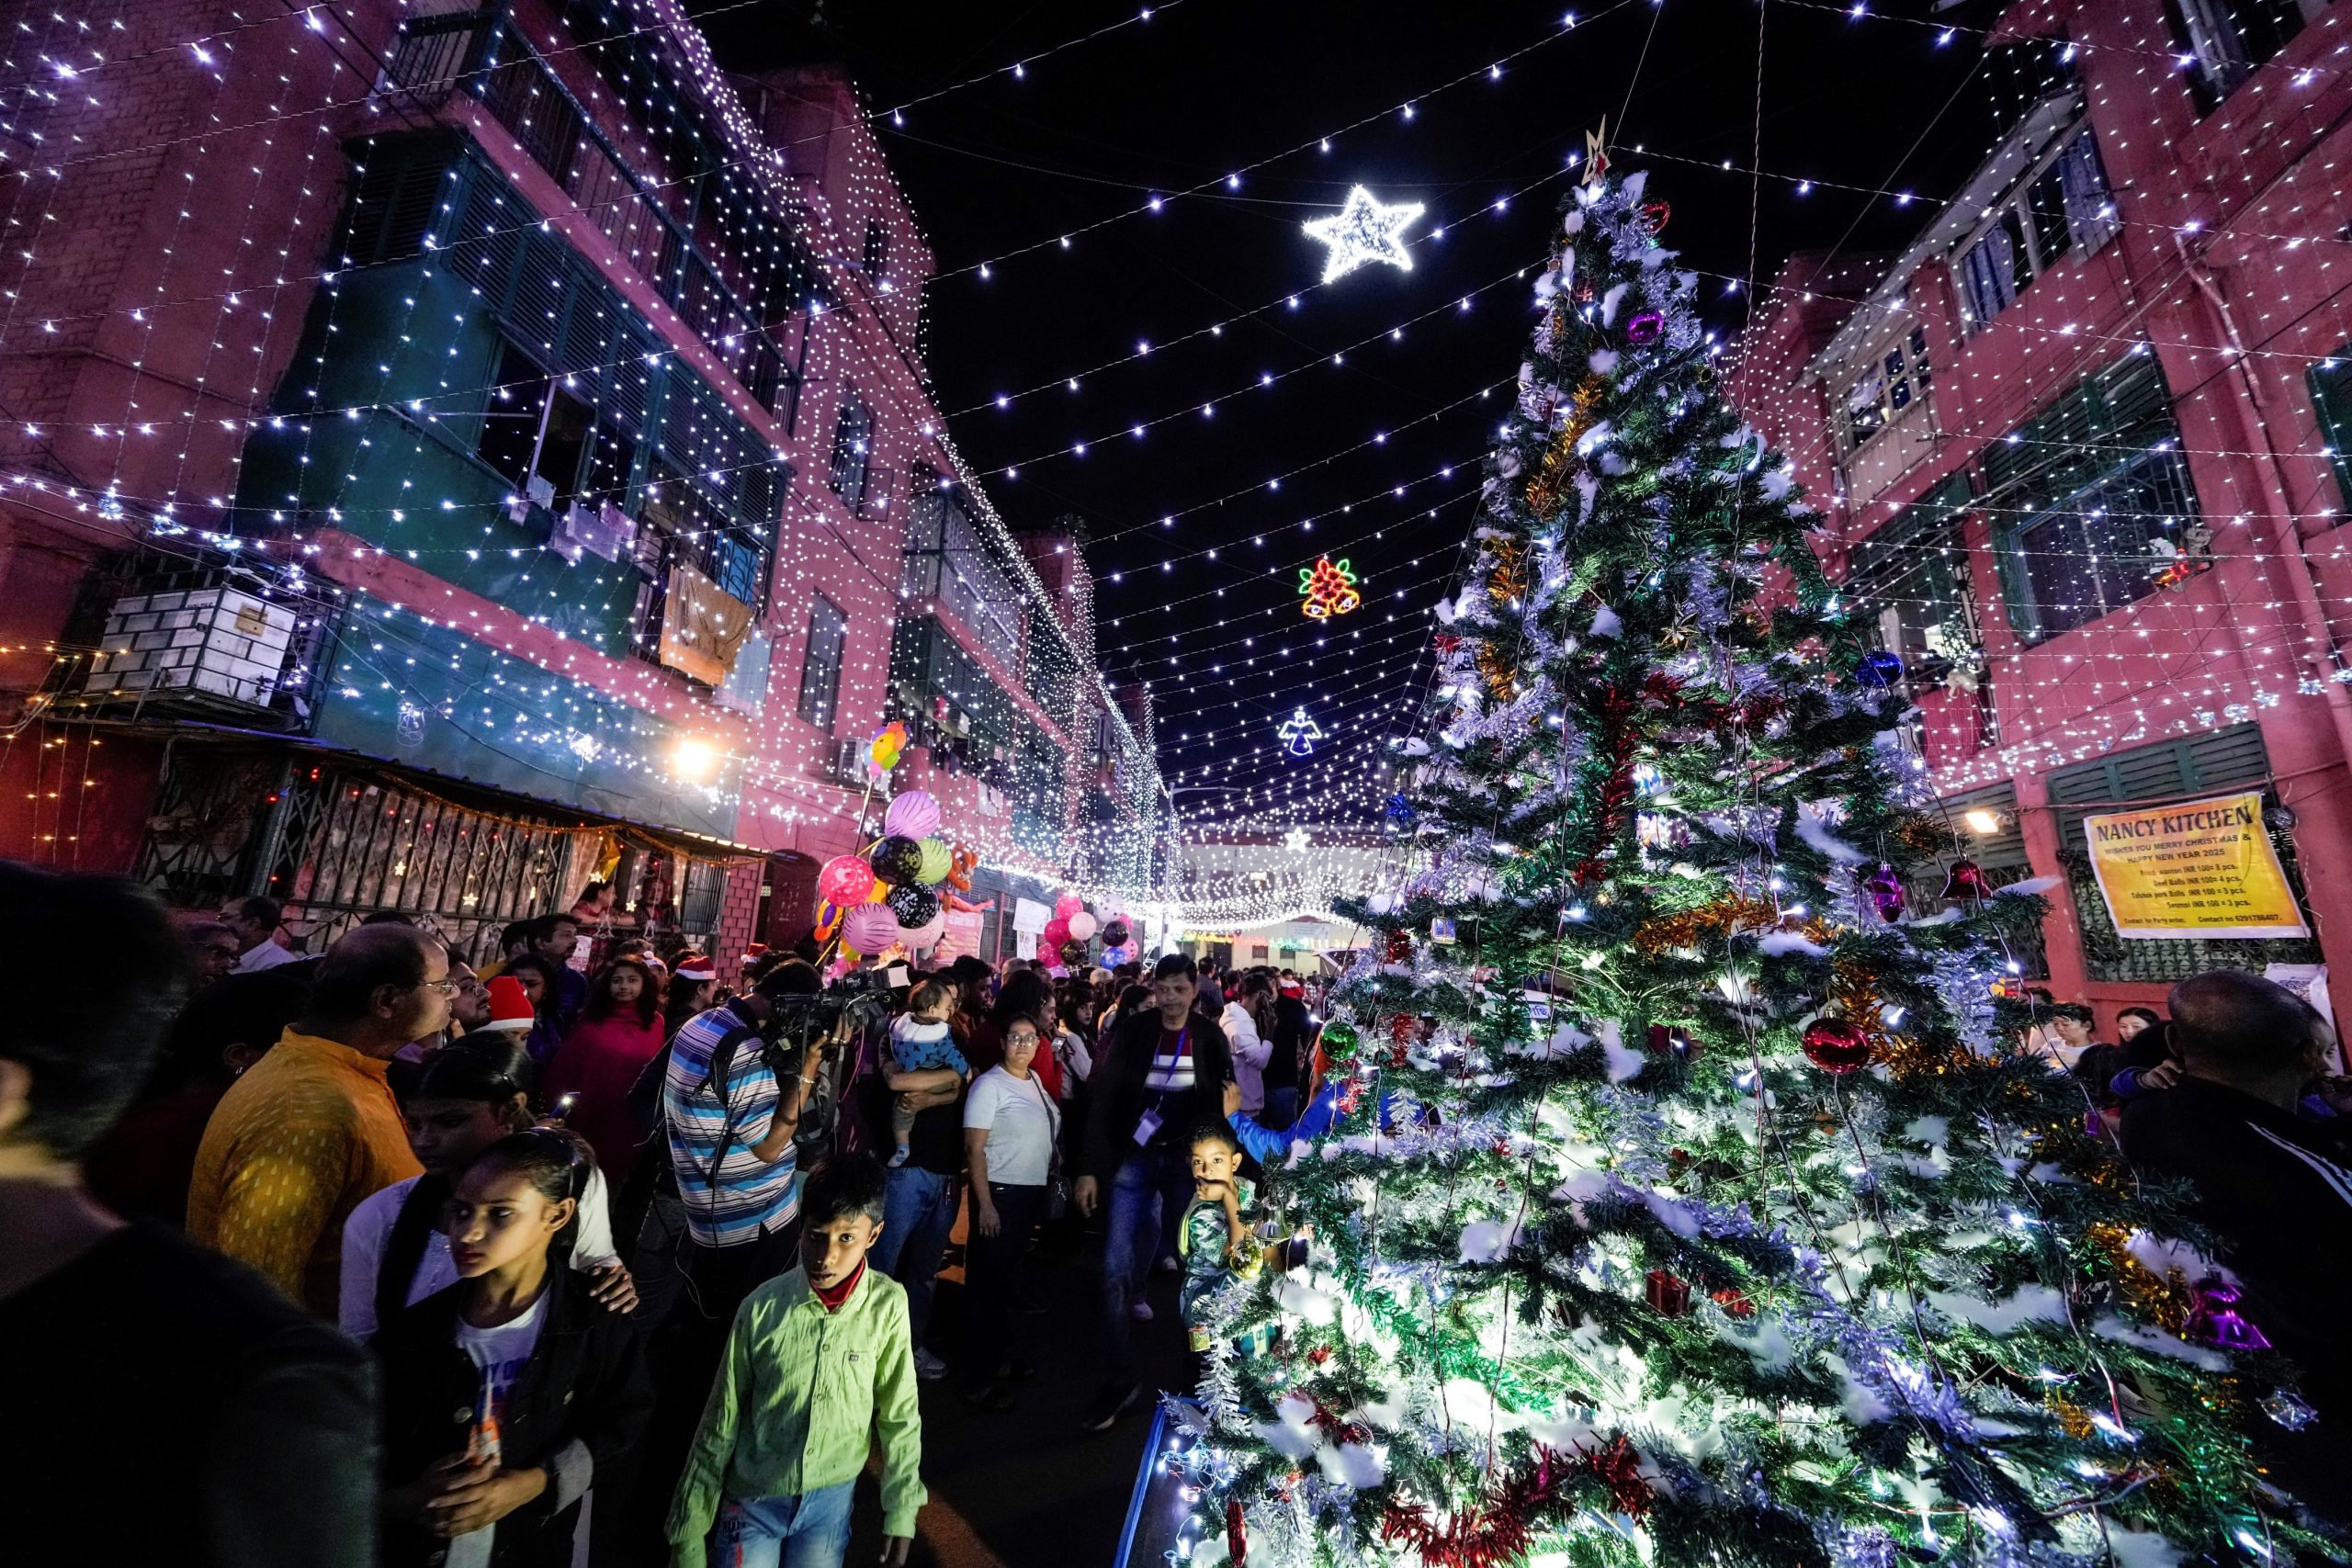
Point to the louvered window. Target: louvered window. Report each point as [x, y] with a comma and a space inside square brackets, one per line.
[397, 196]
[1911, 576]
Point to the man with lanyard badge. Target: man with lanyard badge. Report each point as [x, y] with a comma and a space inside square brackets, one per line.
[1161, 1073]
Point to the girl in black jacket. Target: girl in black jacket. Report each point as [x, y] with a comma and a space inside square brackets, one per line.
[506, 1393]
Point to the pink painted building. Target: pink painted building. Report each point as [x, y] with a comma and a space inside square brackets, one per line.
[2083, 451]
[447, 455]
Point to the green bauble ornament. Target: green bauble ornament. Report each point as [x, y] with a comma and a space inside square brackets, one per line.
[1339, 1040]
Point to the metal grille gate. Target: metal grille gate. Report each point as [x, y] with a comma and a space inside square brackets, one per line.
[335, 844]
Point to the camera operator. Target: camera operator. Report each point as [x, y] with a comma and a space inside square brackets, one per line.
[734, 1096]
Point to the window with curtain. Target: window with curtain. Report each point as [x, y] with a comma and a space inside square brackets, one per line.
[2064, 208]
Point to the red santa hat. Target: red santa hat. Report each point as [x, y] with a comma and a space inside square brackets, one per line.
[510, 1005]
[696, 967]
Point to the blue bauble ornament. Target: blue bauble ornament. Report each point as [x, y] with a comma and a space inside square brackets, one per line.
[1401, 814]
[1880, 668]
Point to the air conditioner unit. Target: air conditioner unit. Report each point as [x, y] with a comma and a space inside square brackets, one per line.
[849, 762]
[216, 642]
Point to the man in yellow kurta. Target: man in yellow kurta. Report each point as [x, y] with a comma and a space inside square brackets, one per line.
[312, 1129]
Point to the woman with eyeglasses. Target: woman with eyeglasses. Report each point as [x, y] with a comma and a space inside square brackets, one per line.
[1011, 1131]
[508, 1391]
[395, 1251]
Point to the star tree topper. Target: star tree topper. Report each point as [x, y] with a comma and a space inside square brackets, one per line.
[1299, 733]
[1365, 229]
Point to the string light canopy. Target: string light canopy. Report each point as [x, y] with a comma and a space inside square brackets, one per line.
[1365, 229]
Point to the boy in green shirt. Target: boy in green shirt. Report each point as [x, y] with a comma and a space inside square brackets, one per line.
[817, 1358]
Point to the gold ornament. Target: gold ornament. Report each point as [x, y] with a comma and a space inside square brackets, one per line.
[1509, 580]
[1499, 673]
[1732, 913]
[1548, 490]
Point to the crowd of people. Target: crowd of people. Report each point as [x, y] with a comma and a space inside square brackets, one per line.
[582, 1256]
[615, 1262]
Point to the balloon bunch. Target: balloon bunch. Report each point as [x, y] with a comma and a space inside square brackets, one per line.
[1063, 942]
[887, 895]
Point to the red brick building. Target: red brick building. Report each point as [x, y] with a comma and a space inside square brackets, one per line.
[2081, 455]
[451, 453]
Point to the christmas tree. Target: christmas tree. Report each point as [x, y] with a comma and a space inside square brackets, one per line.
[1724, 1219]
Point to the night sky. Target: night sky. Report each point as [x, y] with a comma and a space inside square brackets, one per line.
[1207, 609]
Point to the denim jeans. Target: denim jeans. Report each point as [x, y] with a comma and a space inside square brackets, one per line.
[807, 1531]
[992, 1278]
[1147, 1194]
[918, 1211]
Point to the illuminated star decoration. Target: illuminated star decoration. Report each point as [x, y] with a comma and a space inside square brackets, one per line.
[1296, 840]
[1329, 590]
[1299, 733]
[1365, 229]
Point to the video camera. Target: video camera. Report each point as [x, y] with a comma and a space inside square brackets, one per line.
[861, 999]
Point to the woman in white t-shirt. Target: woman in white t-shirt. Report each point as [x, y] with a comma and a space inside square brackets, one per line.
[395, 1254]
[1011, 1129]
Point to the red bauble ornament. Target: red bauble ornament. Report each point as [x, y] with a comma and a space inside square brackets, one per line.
[1733, 1303]
[1836, 1045]
[1236, 1534]
[1400, 945]
[1967, 881]
[1655, 214]
[1674, 1042]
[1667, 1296]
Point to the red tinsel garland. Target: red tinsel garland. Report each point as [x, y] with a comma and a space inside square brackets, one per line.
[1493, 1533]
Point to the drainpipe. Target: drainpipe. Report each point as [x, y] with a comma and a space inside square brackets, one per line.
[2285, 538]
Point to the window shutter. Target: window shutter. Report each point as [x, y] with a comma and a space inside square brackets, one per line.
[2107, 417]
[397, 199]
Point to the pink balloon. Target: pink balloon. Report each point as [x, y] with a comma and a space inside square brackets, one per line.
[1069, 904]
[927, 934]
[913, 814]
[1081, 925]
[1057, 932]
[870, 927]
[846, 880]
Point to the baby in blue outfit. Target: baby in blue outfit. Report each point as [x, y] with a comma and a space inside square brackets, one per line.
[919, 1042]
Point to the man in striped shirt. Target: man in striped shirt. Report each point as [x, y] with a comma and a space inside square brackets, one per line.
[731, 1123]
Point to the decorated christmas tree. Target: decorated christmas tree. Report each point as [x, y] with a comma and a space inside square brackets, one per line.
[1723, 1218]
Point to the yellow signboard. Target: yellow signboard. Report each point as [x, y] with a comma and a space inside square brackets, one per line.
[2204, 868]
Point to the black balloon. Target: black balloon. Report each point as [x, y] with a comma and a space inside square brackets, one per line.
[913, 903]
[895, 860]
[1115, 934]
